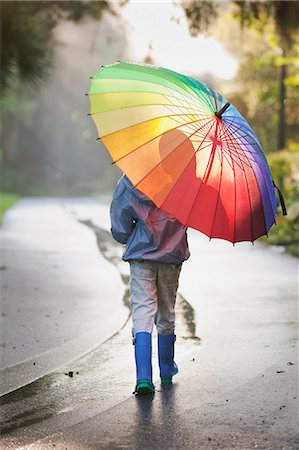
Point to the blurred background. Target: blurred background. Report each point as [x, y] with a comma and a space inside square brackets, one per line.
[247, 50]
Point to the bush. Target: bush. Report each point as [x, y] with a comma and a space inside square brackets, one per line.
[6, 202]
[284, 166]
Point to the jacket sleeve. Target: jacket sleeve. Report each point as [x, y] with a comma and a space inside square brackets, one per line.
[121, 214]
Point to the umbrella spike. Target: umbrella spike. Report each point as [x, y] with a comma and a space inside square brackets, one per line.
[221, 111]
[97, 139]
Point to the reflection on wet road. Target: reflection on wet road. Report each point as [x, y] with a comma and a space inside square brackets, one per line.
[42, 407]
[238, 389]
[112, 251]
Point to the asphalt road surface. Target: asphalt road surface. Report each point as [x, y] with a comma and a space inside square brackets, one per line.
[237, 346]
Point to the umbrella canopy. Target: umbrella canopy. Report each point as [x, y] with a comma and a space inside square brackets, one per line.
[185, 147]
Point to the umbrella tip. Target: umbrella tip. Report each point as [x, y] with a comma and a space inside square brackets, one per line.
[97, 139]
[221, 111]
[90, 78]
[89, 114]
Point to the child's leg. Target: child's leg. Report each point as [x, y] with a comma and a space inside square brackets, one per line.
[168, 277]
[144, 296]
[167, 286]
[144, 308]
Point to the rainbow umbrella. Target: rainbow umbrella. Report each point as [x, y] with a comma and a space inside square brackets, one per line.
[185, 147]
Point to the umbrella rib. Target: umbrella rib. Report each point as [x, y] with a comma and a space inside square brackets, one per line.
[198, 101]
[196, 90]
[218, 195]
[195, 112]
[233, 152]
[235, 205]
[195, 108]
[177, 89]
[249, 198]
[187, 138]
[231, 143]
[150, 140]
[239, 128]
[138, 92]
[252, 229]
[253, 160]
[186, 81]
[182, 83]
[172, 116]
[248, 163]
[197, 194]
[193, 94]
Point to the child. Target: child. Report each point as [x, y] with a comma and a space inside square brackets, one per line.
[156, 246]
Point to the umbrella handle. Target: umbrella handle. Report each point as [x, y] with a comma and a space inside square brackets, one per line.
[281, 199]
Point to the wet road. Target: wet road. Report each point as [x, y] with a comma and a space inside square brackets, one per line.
[237, 353]
[54, 289]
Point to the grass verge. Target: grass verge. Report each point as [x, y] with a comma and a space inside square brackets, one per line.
[6, 202]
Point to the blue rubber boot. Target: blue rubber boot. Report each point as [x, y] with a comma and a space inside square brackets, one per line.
[168, 367]
[143, 360]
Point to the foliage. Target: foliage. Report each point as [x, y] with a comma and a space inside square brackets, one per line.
[283, 13]
[284, 167]
[6, 202]
[26, 35]
[200, 15]
[265, 91]
[27, 38]
[278, 20]
[259, 89]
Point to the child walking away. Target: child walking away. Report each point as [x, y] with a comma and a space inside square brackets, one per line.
[155, 246]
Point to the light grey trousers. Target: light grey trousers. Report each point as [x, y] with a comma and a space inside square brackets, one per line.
[153, 295]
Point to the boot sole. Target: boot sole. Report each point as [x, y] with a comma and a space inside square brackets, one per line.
[166, 380]
[144, 387]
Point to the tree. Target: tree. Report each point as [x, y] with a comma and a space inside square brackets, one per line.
[200, 15]
[257, 14]
[26, 55]
[285, 18]
[26, 35]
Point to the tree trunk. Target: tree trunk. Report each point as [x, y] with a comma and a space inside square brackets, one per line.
[281, 113]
